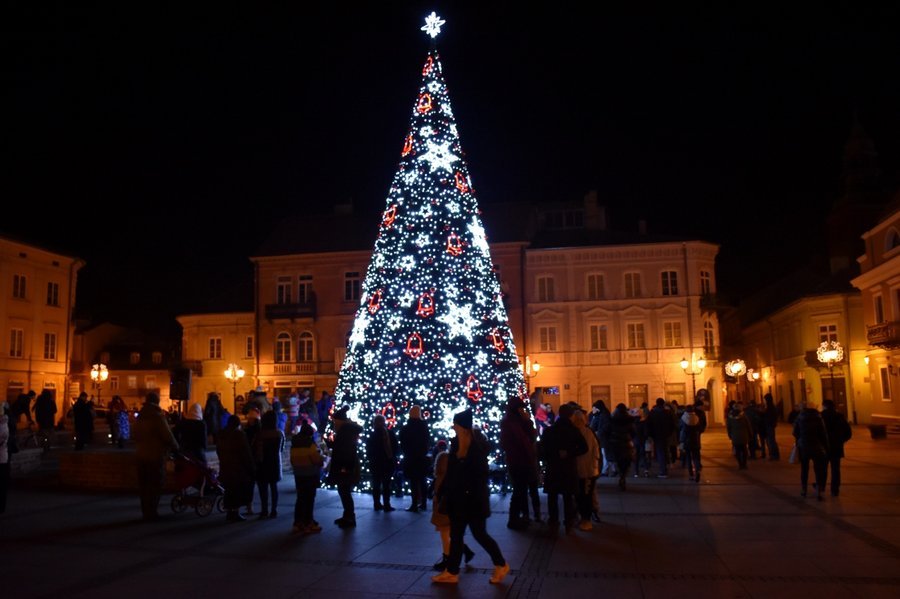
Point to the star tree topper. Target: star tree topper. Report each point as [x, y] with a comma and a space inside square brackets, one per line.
[433, 25]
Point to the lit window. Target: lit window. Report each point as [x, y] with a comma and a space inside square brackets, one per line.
[548, 338]
[598, 337]
[827, 332]
[135, 357]
[305, 347]
[157, 357]
[635, 335]
[672, 334]
[49, 346]
[283, 347]
[215, 348]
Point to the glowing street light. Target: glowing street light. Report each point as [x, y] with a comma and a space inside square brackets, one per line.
[234, 373]
[693, 368]
[530, 370]
[828, 353]
[99, 374]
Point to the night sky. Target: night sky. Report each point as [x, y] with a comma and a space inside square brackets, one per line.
[173, 142]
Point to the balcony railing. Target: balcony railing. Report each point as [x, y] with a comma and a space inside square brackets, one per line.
[296, 368]
[884, 334]
[291, 311]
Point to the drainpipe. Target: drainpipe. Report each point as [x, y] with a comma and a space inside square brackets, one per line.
[256, 320]
[74, 267]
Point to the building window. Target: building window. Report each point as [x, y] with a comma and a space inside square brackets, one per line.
[215, 348]
[351, 286]
[669, 282]
[671, 334]
[150, 382]
[49, 346]
[113, 383]
[157, 357]
[676, 392]
[305, 347]
[598, 337]
[283, 290]
[595, 288]
[132, 381]
[304, 289]
[709, 339]
[632, 284]
[248, 347]
[705, 282]
[19, 286]
[545, 289]
[16, 342]
[134, 357]
[548, 338]
[283, 347]
[827, 332]
[601, 393]
[638, 395]
[52, 294]
[879, 309]
[635, 335]
[885, 385]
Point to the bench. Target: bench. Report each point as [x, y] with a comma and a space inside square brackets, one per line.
[882, 424]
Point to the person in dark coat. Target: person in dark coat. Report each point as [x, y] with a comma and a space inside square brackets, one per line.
[414, 442]
[212, 415]
[383, 450]
[236, 468]
[45, 412]
[190, 432]
[344, 470]
[517, 440]
[153, 442]
[599, 421]
[83, 414]
[562, 443]
[812, 444]
[617, 437]
[770, 421]
[466, 497]
[839, 432]
[689, 437]
[660, 427]
[267, 448]
[739, 432]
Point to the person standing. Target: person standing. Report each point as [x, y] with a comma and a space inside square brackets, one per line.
[212, 415]
[770, 421]
[267, 448]
[45, 413]
[661, 427]
[839, 432]
[517, 440]
[588, 465]
[812, 445]
[236, 468]
[190, 432]
[739, 432]
[4, 458]
[344, 470]
[83, 414]
[382, 449]
[306, 461]
[465, 494]
[414, 441]
[689, 436]
[153, 442]
[618, 437]
[562, 443]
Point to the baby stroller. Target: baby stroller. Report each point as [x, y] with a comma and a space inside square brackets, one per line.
[199, 487]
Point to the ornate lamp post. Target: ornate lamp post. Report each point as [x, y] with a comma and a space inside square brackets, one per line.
[735, 369]
[99, 374]
[828, 353]
[753, 376]
[530, 370]
[693, 368]
[234, 373]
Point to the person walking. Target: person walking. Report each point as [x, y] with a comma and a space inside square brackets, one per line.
[306, 461]
[467, 499]
[344, 470]
[812, 445]
[414, 441]
[267, 448]
[236, 468]
[839, 432]
[153, 442]
[382, 449]
[439, 518]
[770, 422]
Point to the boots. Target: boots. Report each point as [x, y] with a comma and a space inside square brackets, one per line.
[441, 565]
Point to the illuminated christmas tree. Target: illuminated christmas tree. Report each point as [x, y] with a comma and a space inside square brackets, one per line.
[431, 329]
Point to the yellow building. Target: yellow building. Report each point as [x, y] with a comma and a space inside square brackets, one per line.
[37, 288]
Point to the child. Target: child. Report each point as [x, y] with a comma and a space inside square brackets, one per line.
[307, 463]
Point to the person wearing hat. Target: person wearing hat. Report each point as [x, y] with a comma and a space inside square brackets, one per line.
[467, 499]
[344, 470]
[153, 441]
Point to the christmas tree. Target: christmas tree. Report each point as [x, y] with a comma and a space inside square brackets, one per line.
[431, 329]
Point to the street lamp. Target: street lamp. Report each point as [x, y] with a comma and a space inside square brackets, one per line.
[753, 376]
[693, 368]
[99, 374]
[530, 370]
[234, 373]
[736, 369]
[828, 353]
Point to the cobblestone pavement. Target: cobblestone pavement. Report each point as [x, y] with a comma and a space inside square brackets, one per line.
[735, 534]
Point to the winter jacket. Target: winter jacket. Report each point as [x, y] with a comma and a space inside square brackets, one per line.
[306, 459]
[618, 436]
[588, 463]
[414, 441]
[236, 466]
[466, 483]
[267, 449]
[562, 443]
[738, 428]
[809, 430]
[152, 436]
[345, 467]
[660, 424]
[517, 440]
[383, 450]
[689, 435]
[838, 430]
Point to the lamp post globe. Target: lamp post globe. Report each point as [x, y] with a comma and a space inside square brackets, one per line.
[99, 374]
[234, 373]
[829, 353]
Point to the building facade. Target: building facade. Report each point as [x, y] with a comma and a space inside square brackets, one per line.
[879, 283]
[37, 288]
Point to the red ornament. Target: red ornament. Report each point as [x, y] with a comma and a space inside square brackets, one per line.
[407, 147]
[424, 104]
[473, 389]
[461, 183]
[390, 415]
[375, 302]
[414, 346]
[428, 65]
[426, 305]
[454, 245]
[497, 340]
[387, 219]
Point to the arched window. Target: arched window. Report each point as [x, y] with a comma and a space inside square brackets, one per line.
[305, 347]
[283, 347]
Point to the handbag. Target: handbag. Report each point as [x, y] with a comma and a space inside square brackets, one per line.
[793, 457]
